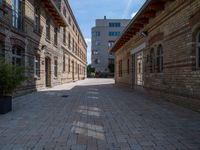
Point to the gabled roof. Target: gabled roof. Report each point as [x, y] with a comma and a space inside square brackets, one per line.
[147, 11]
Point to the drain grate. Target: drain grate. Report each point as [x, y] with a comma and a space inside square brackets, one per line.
[65, 96]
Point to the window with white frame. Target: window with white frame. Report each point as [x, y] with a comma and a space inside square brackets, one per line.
[198, 50]
[37, 66]
[37, 19]
[17, 14]
[17, 56]
[160, 59]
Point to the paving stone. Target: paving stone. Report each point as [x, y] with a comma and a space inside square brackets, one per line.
[97, 115]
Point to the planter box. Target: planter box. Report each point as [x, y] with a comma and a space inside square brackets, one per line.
[5, 104]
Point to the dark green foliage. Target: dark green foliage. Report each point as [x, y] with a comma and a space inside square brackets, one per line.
[111, 67]
[10, 78]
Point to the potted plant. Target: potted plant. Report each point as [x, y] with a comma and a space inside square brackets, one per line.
[11, 76]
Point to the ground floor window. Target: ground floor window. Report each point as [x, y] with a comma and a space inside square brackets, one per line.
[55, 67]
[160, 59]
[37, 66]
[64, 63]
[17, 56]
[69, 65]
[128, 66]
[152, 61]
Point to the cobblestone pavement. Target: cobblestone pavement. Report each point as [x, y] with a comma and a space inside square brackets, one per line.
[95, 115]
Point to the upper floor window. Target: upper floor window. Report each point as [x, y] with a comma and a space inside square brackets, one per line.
[17, 56]
[69, 41]
[56, 36]
[115, 24]
[64, 12]
[96, 34]
[64, 35]
[17, 14]
[111, 43]
[48, 29]
[152, 61]
[160, 59]
[114, 33]
[69, 20]
[198, 50]
[37, 19]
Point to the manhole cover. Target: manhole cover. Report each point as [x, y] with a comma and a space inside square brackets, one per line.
[64, 96]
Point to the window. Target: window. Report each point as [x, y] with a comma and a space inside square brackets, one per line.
[64, 12]
[37, 66]
[64, 35]
[152, 61]
[55, 67]
[128, 66]
[17, 56]
[37, 19]
[97, 61]
[96, 34]
[17, 14]
[120, 68]
[69, 65]
[97, 43]
[111, 43]
[73, 44]
[160, 59]
[114, 33]
[69, 20]
[55, 36]
[69, 41]
[95, 52]
[64, 63]
[115, 24]
[48, 29]
[198, 50]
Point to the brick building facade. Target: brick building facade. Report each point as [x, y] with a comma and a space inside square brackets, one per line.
[160, 51]
[44, 37]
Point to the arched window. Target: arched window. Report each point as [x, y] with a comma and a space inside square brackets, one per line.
[160, 59]
[17, 56]
[152, 61]
[198, 50]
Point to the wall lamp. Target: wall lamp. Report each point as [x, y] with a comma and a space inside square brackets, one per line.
[144, 33]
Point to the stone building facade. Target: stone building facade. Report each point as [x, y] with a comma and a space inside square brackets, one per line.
[44, 37]
[160, 52]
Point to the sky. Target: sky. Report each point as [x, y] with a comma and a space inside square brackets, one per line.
[87, 11]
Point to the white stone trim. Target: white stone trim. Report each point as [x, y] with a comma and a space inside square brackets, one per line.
[139, 48]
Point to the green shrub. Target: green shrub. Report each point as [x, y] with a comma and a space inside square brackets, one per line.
[11, 77]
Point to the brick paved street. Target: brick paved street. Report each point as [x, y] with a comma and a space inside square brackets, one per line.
[96, 115]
